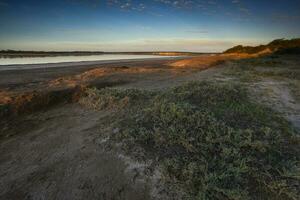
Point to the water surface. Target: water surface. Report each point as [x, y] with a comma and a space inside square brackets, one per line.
[67, 59]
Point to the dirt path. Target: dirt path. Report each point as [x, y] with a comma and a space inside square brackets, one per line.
[277, 95]
[61, 158]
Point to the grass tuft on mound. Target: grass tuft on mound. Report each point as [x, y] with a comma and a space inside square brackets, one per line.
[211, 141]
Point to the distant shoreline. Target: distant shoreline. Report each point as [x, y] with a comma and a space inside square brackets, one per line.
[81, 64]
[18, 54]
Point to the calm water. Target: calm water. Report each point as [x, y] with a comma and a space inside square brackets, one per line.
[64, 59]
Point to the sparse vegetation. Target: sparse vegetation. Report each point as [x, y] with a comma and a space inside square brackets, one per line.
[280, 68]
[209, 139]
[265, 67]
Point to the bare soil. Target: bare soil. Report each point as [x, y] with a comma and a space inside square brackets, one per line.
[59, 156]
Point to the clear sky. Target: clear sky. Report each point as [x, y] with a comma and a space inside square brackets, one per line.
[150, 25]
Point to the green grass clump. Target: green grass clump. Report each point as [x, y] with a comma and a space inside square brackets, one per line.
[213, 142]
[109, 98]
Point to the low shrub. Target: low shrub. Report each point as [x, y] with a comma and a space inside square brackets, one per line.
[109, 98]
[210, 140]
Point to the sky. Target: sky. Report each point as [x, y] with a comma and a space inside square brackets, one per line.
[150, 25]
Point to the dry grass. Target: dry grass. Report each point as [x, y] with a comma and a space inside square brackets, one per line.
[204, 62]
[91, 75]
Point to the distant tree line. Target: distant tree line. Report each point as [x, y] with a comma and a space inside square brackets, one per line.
[279, 46]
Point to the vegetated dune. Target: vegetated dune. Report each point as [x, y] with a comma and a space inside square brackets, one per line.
[239, 52]
[275, 46]
[204, 62]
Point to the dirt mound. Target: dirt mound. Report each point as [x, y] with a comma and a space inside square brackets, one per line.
[5, 97]
[63, 89]
[37, 100]
[93, 74]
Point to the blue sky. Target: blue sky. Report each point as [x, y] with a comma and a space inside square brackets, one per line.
[152, 25]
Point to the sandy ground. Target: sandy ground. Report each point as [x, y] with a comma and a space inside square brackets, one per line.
[279, 98]
[280, 92]
[60, 157]
[58, 153]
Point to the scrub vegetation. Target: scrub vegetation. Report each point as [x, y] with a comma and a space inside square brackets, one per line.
[279, 46]
[283, 68]
[209, 139]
